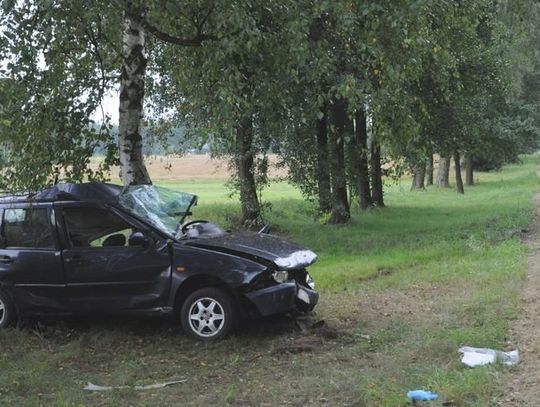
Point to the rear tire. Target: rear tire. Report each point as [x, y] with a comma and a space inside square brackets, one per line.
[8, 316]
[208, 314]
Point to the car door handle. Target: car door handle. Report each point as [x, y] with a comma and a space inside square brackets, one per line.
[6, 260]
[73, 259]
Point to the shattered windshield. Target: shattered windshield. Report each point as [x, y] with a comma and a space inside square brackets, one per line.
[164, 208]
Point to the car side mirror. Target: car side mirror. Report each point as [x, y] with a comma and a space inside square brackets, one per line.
[139, 239]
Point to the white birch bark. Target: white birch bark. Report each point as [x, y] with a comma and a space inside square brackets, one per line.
[132, 168]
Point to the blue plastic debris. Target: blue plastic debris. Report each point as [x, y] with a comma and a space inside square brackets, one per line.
[422, 395]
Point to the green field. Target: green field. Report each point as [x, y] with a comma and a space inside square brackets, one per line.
[402, 288]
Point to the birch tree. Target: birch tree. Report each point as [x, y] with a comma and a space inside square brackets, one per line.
[133, 72]
[81, 51]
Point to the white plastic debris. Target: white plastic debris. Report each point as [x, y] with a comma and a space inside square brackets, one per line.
[94, 387]
[299, 259]
[473, 357]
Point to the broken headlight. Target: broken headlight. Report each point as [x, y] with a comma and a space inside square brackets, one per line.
[310, 282]
[280, 276]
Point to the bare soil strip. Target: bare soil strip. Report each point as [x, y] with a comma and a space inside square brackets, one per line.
[193, 167]
[524, 384]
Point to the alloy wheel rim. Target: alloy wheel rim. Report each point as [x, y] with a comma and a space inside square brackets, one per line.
[2, 312]
[206, 317]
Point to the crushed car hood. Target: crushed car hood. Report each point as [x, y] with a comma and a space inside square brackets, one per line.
[284, 254]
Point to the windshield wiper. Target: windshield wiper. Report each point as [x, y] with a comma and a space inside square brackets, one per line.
[185, 214]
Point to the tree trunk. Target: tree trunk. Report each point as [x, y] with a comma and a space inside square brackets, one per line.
[376, 175]
[459, 180]
[361, 160]
[132, 168]
[323, 166]
[244, 160]
[469, 170]
[429, 170]
[340, 203]
[419, 175]
[443, 175]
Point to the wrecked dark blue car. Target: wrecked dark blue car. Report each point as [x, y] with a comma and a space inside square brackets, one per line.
[99, 248]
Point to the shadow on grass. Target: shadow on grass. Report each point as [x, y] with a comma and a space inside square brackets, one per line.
[66, 329]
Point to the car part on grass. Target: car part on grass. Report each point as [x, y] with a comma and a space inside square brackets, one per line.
[94, 387]
[421, 395]
[473, 357]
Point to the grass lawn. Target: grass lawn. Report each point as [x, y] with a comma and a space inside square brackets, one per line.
[402, 288]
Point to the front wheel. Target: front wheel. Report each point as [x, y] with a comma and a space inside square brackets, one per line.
[7, 311]
[208, 314]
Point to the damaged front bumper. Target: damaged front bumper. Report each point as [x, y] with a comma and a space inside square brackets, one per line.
[282, 298]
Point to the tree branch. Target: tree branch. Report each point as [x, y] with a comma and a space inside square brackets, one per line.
[202, 22]
[97, 53]
[184, 42]
[195, 41]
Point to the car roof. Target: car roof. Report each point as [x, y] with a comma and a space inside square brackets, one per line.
[66, 191]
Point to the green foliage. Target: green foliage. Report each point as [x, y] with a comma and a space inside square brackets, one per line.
[56, 70]
[60, 58]
[214, 87]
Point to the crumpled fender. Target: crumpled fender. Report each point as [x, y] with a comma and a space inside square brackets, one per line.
[235, 272]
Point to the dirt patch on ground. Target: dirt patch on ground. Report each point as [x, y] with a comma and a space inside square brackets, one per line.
[523, 387]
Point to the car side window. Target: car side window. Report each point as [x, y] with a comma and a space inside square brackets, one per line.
[95, 227]
[27, 228]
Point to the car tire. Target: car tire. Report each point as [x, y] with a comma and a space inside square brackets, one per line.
[8, 316]
[208, 314]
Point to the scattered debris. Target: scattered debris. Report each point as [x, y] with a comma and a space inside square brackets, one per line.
[93, 387]
[366, 337]
[381, 272]
[316, 333]
[302, 344]
[421, 395]
[319, 328]
[318, 324]
[265, 229]
[327, 333]
[306, 324]
[254, 357]
[473, 357]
